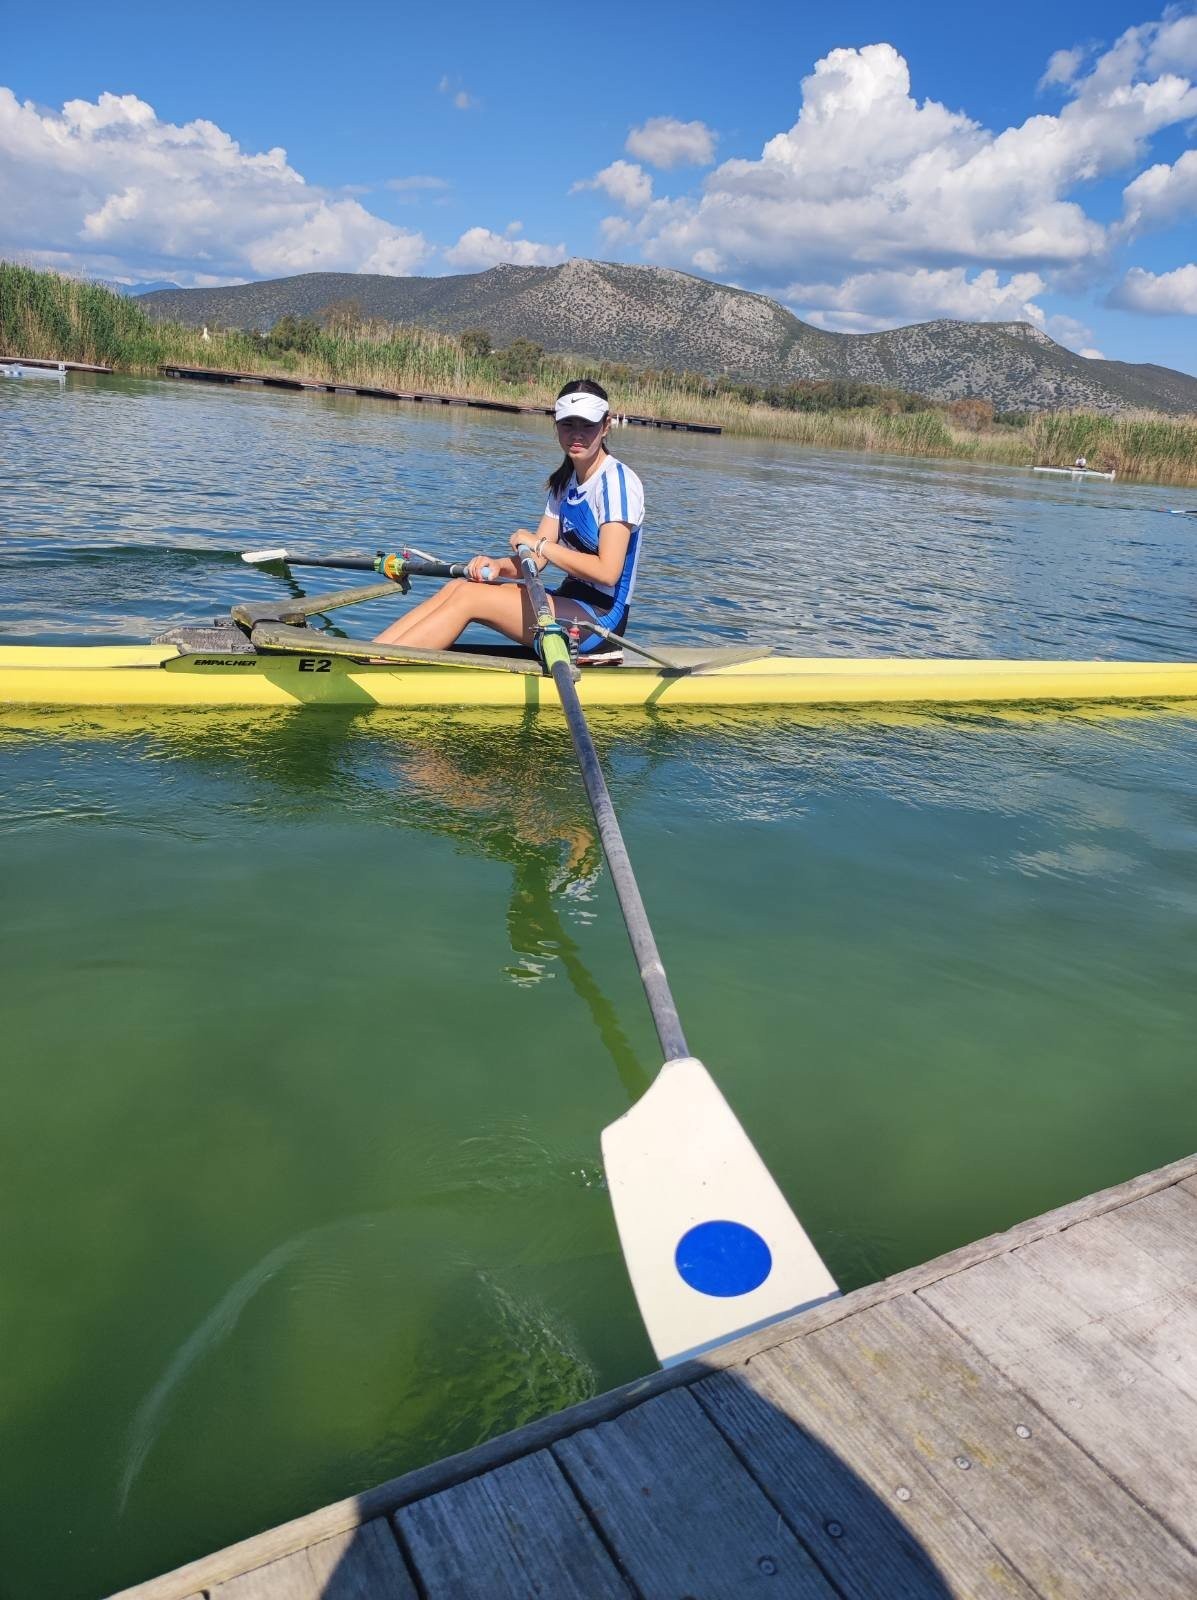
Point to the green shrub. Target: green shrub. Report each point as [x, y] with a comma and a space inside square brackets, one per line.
[520, 361]
[295, 333]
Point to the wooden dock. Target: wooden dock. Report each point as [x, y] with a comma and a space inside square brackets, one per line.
[1015, 1419]
[273, 380]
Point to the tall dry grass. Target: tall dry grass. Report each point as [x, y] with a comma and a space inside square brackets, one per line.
[48, 316]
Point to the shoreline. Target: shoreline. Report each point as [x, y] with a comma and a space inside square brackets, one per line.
[865, 431]
[47, 317]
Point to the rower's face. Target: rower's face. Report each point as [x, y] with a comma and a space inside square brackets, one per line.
[582, 440]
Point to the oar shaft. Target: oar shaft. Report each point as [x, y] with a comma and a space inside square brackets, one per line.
[343, 563]
[627, 890]
[419, 567]
[391, 566]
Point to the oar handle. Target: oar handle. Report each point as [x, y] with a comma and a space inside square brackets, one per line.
[555, 653]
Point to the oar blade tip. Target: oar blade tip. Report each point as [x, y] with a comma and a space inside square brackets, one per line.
[712, 1247]
[261, 558]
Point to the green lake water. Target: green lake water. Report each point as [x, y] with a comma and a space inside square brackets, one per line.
[311, 1021]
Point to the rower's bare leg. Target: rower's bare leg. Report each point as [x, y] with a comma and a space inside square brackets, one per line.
[397, 631]
[437, 623]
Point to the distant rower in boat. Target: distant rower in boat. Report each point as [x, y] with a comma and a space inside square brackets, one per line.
[1080, 464]
[590, 531]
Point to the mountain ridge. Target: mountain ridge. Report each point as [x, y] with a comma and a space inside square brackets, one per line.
[660, 317]
[133, 291]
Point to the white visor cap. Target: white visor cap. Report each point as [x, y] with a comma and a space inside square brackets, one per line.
[588, 406]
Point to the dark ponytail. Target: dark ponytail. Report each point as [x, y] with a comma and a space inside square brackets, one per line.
[559, 480]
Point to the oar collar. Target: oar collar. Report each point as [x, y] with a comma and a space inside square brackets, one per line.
[394, 568]
[543, 632]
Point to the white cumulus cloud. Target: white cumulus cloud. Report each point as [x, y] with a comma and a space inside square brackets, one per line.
[625, 182]
[1163, 294]
[892, 206]
[1075, 335]
[884, 299]
[108, 188]
[340, 232]
[1062, 67]
[1161, 195]
[480, 248]
[666, 142]
[1171, 45]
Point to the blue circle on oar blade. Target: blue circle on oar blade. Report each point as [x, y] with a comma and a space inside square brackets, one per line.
[723, 1258]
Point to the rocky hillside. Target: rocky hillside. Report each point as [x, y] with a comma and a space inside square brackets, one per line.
[654, 317]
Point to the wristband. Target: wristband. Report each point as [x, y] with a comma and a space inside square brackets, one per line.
[540, 544]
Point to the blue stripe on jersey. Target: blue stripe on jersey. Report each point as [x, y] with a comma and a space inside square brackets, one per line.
[578, 527]
[578, 524]
[627, 577]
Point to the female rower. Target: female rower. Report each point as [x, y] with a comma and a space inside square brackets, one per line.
[590, 532]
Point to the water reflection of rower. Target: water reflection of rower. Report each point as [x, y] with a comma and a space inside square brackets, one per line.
[460, 788]
[485, 784]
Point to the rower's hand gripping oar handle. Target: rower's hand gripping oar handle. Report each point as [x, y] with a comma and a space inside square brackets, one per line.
[552, 640]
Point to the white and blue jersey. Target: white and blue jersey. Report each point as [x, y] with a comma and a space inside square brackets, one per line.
[612, 494]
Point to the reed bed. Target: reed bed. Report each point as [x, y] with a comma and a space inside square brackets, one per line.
[47, 316]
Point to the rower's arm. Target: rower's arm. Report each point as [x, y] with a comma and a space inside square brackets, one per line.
[546, 532]
[604, 567]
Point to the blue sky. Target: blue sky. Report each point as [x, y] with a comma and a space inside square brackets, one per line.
[866, 165]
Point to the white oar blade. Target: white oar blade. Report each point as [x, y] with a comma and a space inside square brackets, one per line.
[259, 557]
[712, 1248]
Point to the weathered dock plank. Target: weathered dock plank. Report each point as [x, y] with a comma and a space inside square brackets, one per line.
[861, 1500]
[517, 1531]
[1054, 1320]
[363, 1564]
[914, 1438]
[1069, 1528]
[680, 1511]
[1163, 1225]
